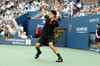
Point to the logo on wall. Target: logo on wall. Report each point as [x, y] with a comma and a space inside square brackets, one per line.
[70, 28]
[18, 41]
[94, 20]
[41, 24]
[28, 42]
[81, 29]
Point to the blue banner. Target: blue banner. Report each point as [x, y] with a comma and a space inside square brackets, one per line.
[78, 29]
[18, 41]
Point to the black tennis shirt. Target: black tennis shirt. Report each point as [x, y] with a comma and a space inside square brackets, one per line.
[48, 28]
[98, 31]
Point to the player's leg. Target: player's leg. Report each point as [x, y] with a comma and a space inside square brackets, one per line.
[97, 45]
[41, 40]
[56, 52]
[37, 46]
[97, 42]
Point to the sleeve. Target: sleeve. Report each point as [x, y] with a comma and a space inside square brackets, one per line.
[98, 33]
[46, 17]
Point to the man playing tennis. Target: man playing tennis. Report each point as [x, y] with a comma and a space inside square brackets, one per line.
[48, 34]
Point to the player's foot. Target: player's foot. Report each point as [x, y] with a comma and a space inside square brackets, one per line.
[37, 55]
[97, 50]
[59, 60]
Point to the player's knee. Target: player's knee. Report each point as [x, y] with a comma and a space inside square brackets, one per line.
[37, 45]
[50, 44]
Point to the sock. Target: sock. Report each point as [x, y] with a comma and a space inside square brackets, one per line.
[59, 56]
[38, 51]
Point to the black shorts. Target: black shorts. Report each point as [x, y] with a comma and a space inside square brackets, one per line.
[46, 39]
[97, 40]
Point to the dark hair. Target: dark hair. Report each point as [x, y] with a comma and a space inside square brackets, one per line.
[54, 12]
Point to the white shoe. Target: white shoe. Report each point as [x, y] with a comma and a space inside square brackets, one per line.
[97, 50]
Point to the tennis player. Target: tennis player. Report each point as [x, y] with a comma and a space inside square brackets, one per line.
[48, 34]
[97, 37]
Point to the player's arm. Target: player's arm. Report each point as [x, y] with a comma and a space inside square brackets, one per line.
[97, 34]
[43, 11]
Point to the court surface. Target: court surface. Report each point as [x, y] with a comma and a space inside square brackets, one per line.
[24, 56]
